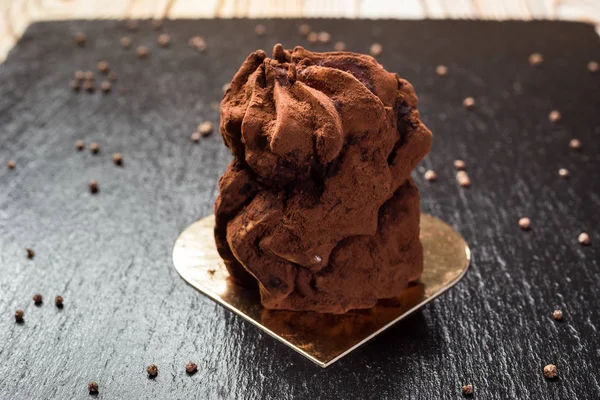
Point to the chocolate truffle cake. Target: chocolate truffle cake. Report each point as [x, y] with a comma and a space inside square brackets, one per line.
[318, 206]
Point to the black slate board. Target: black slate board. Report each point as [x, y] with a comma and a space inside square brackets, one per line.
[109, 255]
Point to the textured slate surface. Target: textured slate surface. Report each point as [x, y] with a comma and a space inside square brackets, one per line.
[109, 255]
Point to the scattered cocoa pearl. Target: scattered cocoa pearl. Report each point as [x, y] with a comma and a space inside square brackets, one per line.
[58, 301]
[584, 238]
[103, 67]
[112, 76]
[195, 137]
[118, 159]
[88, 75]
[469, 103]
[339, 46]
[554, 116]
[563, 173]
[524, 223]
[550, 371]
[312, 37]
[198, 43]
[79, 145]
[93, 388]
[38, 299]
[593, 66]
[19, 314]
[89, 86]
[205, 128]
[80, 39]
[191, 368]
[575, 144]
[94, 148]
[164, 40]
[152, 371]
[79, 75]
[93, 186]
[75, 85]
[157, 24]
[441, 70]
[535, 59]
[304, 29]
[141, 51]
[125, 42]
[132, 25]
[557, 315]
[324, 37]
[30, 253]
[467, 390]
[11, 164]
[463, 179]
[105, 87]
[260, 30]
[376, 49]
[430, 175]
[460, 165]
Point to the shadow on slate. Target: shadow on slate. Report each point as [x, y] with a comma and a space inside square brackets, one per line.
[109, 255]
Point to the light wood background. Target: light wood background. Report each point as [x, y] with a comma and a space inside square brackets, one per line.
[16, 15]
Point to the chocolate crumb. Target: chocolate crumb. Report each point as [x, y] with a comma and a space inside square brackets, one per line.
[312, 37]
[463, 179]
[79, 75]
[152, 371]
[164, 40]
[524, 223]
[376, 49]
[557, 315]
[324, 37]
[460, 165]
[141, 51]
[93, 186]
[105, 87]
[205, 128]
[584, 238]
[554, 116]
[469, 103]
[75, 85]
[79, 145]
[575, 144]
[291, 74]
[467, 390]
[89, 86]
[535, 59]
[80, 39]
[157, 24]
[94, 148]
[191, 368]
[304, 29]
[11, 164]
[198, 43]
[118, 159]
[19, 314]
[30, 253]
[58, 301]
[38, 299]
[103, 67]
[88, 75]
[430, 175]
[112, 76]
[441, 70]
[211, 271]
[563, 173]
[195, 137]
[125, 42]
[260, 30]
[550, 371]
[593, 67]
[339, 46]
[132, 25]
[93, 388]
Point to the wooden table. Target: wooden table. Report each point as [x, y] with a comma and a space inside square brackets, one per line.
[16, 15]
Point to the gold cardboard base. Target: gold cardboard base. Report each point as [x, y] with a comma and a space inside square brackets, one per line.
[323, 338]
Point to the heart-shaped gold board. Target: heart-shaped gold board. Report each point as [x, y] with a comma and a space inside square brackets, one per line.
[322, 338]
